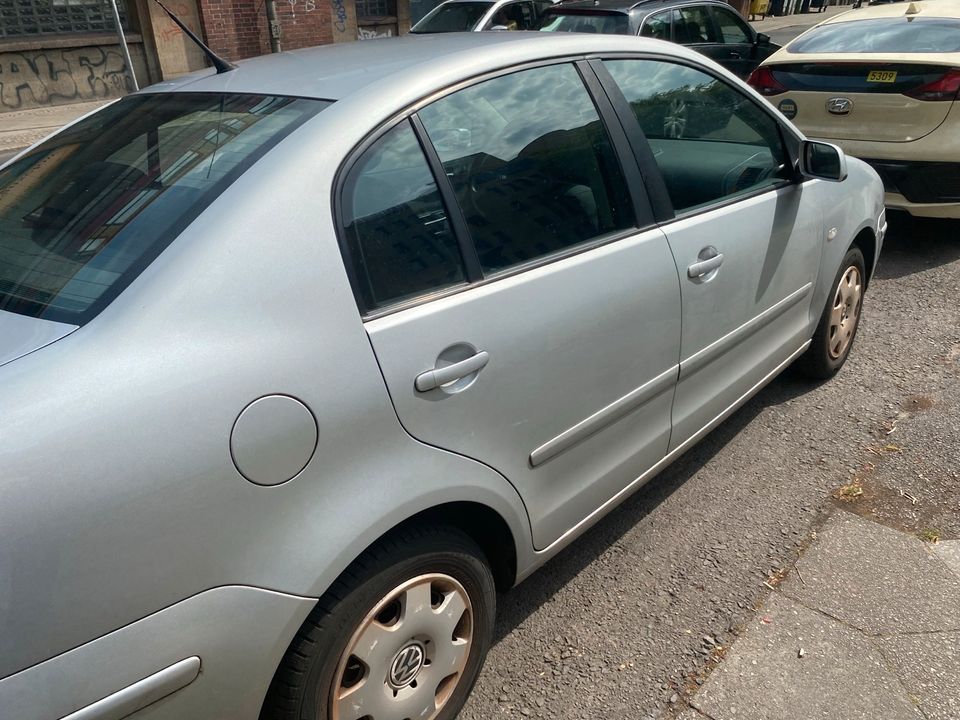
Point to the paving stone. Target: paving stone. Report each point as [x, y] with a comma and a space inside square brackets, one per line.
[949, 552]
[929, 667]
[879, 580]
[841, 676]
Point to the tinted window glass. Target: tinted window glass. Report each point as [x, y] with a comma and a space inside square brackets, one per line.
[709, 140]
[883, 35]
[397, 233]
[731, 27]
[453, 17]
[693, 26]
[657, 26]
[82, 214]
[609, 23]
[516, 16]
[531, 164]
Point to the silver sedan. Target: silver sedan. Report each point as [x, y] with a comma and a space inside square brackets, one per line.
[302, 362]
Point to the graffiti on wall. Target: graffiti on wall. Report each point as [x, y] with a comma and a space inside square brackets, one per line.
[374, 33]
[340, 15]
[52, 77]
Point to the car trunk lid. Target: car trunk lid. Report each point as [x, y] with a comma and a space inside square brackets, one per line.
[22, 335]
[873, 101]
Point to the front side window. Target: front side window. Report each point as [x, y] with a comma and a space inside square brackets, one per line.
[710, 141]
[531, 164]
[84, 212]
[692, 25]
[398, 237]
[732, 28]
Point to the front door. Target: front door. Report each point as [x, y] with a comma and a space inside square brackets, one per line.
[746, 236]
[547, 349]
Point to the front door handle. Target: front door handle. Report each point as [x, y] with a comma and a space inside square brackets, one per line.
[438, 377]
[735, 55]
[704, 267]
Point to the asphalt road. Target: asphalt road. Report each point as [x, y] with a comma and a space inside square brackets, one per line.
[616, 626]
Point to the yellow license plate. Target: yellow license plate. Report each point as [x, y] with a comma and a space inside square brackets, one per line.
[882, 76]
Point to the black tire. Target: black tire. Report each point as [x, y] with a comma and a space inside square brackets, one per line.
[302, 686]
[818, 361]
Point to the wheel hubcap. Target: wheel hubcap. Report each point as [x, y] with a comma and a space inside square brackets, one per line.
[845, 313]
[408, 654]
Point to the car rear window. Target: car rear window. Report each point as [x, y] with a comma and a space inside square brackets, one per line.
[82, 214]
[882, 35]
[453, 17]
[590, 21]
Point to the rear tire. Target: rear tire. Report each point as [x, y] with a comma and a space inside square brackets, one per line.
[839, 321]
[402, 633]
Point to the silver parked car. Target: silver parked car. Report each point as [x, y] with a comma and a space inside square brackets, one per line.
[303, 362]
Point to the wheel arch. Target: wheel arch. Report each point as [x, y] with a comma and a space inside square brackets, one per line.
[867, 242]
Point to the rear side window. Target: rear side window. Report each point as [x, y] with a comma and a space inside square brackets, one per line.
[531, 164]
[83, 213]
[657, 26]
[882, 35]
[398, 237]
[710, 141]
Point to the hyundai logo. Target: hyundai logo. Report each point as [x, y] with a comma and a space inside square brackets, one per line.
[406, 666]
[839, 106]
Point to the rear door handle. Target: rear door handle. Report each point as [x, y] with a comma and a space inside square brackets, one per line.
[438, 377]
[734, 55]
[699, 269]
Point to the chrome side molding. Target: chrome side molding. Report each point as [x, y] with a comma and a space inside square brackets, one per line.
[142, 693]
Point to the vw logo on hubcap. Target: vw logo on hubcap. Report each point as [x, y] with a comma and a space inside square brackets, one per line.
[406, 666]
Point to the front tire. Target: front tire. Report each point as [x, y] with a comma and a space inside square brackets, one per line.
[839, 320]
[402, 634]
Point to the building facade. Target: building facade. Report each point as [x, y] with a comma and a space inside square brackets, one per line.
[55, 52]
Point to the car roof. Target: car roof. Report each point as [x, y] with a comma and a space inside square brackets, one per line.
[628, 5]
[403, 66]
[922, 8]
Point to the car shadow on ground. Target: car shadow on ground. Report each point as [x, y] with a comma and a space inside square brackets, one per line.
[522, 601]
[917, 244]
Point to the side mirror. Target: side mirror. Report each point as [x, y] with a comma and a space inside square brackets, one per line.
[499, 28]
[763, 40]
[822, 160]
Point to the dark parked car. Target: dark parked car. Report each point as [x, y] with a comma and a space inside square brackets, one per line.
[713, 28]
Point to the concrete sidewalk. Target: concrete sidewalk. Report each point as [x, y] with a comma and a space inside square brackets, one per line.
[867, 625]
[805, 20]
[21, 128]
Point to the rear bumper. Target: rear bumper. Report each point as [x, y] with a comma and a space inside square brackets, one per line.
[919, 182]
[210, 657]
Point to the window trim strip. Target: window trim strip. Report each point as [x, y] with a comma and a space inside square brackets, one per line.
[458, 223]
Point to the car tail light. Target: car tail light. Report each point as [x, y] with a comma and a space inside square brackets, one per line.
[944, 88]
[764, 82]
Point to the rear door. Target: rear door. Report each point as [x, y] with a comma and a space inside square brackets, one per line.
[746, 236]
[526, 312]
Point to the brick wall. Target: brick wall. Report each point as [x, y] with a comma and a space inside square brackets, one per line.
[237, 29]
